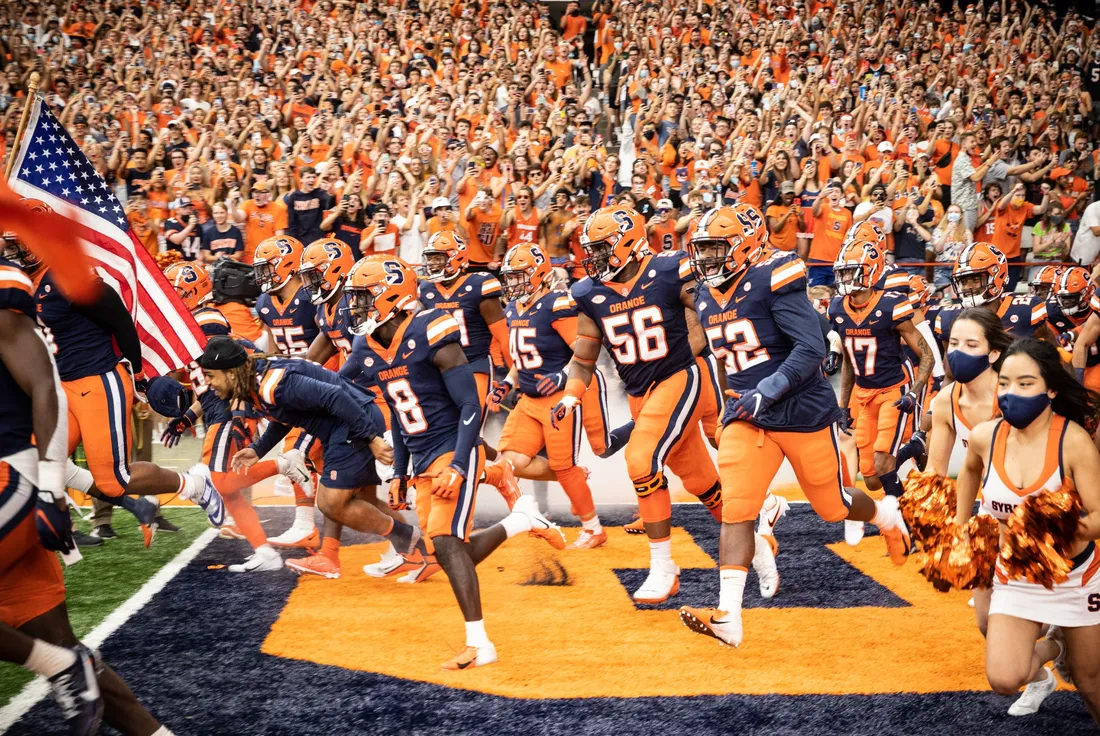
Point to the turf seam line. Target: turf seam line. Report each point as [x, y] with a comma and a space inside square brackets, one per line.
[36, 690]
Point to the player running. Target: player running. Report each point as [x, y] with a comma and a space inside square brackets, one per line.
[641, 309]
[416, 359]
[760, 323]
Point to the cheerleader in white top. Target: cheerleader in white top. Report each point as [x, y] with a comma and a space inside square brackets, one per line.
[1038, 443]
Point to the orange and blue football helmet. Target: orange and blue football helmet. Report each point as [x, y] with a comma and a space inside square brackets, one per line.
[919, 293]
[191, 282]
[10, 247]
[378, 287]
[980, 275]
[868, 231]
[858, 266]
[1043, 281]
[726, 241]
[324, 268]
[525, 271]
[1074, 291]
[445, 257]
[609, 238]
[276, 260]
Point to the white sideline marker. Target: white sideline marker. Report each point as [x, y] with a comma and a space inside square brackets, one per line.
[36, 690]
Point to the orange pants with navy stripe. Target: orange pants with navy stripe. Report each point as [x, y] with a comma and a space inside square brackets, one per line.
[31, 582]
[99, 414]
[749, 457]
[879, 425]
[594, 414]
[666, 432]
[441, 517]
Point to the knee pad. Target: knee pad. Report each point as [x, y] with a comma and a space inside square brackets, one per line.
[712, 497]
[646, 486]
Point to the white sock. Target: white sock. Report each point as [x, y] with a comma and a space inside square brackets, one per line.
[593, 525]
[659, 552]
[732, 590]
[885, 514]
[77, 478]
[188, 487]
[515, 523]
[475, 634]
[228, 521]
[162, 731]
[303, 517]
[48, 659]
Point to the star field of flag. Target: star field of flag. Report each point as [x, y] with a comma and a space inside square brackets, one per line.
[54, 163]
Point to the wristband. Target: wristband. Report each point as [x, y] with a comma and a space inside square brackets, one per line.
[191, 416]
[575, 387]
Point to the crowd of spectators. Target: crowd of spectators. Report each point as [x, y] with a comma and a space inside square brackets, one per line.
[223, 123]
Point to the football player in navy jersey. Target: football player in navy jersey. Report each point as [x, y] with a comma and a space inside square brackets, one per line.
[288, 313]
[642, 310]
[1075, 308]
[35, 631]
[877, 385]
[100, 386]
[416, 359]
[759, 322]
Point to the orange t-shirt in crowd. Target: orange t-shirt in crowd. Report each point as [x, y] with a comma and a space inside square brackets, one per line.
[1009, 225]
[663, 236]
[482, 230]
[829, 231]
[261, 223]
[786, 238]
[524, 229]
[436, 225]
[574, 26]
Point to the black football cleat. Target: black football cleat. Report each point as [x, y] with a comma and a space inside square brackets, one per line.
[77, 694]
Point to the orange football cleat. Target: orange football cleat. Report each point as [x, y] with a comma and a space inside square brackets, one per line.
[588, 540]
[322, 565]
[507, 485]
[635, 527]
[148, 533]
[294, 538]
[471, 657]
[897, 543]
[713, 622]
[427, 568]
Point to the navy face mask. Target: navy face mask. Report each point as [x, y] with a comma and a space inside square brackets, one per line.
[966, 367]
[1020, 411]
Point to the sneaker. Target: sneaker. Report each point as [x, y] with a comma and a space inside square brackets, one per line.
[428, 567]
[283, 486]
[205, 495]
[295, 468]
[588, 540]
[471, 657]
[77, 693]
[1056, 634]
[853, 532]
[163, 525]
[662, 583]
[264, 559]
[297, 538]
[230, 531]
[763, 562]
[1034, 695]
[635, 527]
[540, 525]
[322, 565]
[86, 540]
[897, 536]
[508, 486]
[714, 623]
[105, 532]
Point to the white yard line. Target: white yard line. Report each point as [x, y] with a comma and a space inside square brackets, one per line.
[36, 690]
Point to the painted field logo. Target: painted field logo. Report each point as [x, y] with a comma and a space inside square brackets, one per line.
[845, 621]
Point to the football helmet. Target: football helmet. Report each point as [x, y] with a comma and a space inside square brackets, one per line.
[609, 237]
[1073, 291]
[276, 260]
[1043, 281]
[858, 266]
[445, 256]
[191, 282]
[378, 287]
[525, 271]
[725, 242]
[868, 231]
[919, 293]
[13, 250]
[980, 274]
[324, 267]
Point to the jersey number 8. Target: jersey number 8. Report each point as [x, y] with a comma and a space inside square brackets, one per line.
[407, 406]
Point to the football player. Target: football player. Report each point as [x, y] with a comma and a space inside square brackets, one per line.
[760, 323]
[542, 327]
[36, 526]
[1042, 282]
[872, 325]
[416, 359]
[100, 386]
[1075, 307]
[642, 311]
[289, 315]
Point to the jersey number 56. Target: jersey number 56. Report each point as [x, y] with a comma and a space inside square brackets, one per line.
[645, 342]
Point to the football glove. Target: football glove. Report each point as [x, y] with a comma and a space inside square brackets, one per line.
[845, 421]
[399, 491]
[562, 409]
[497, 394]
[239, 431]
[177, 427]
[447, 484]
[55, 526]
[551, 383]
[748, 405]
[908, 402]
[832, 363]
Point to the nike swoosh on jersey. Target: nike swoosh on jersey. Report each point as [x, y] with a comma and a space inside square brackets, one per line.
[646, 286]
[405, 356]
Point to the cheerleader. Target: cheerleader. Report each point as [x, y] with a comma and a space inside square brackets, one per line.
[1038, 443]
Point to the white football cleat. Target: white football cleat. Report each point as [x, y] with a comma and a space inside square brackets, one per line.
[283, 487]
[387, 565]
[471, 657]
[292, 465]
[774, 509]
[297, 537]
[264, 559]
[205, 495]
[662, 583]
[853, 532]
[724, 627]
[1034, 695]
[763, 561]
[540, 525]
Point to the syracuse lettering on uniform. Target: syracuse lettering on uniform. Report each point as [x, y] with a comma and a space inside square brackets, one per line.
[628, 304]
[391, 373]
[717, 319]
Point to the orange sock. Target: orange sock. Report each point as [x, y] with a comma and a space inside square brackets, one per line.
[233, 482]
[493, 475]
[300, 497]
[575, 484]
[330, 548]
[244, 516]
[655, 507]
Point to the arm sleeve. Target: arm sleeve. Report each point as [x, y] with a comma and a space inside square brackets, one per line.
[400, 451]
[796, 317]
[272, 436]
[463, 390]
[110, 313]
[499, 330]
[297, 391]
[925, 329]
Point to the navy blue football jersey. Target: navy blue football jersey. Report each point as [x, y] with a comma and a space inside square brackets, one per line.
[214, 410]
[16, 427]
[211, 321]
[893, 279]
[642, 320]
[462, 300]
[420, 405]
[1021, 316]
[83, 348]
[332, 321]
[535, 344]
[743, 331]
[293, 323]
[1061, 322]
[871, 339]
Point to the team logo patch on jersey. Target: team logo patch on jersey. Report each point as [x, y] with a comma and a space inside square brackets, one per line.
[469, 287]
[48, 288]
[430, 295]
[265, 310]
[412, 344]
[878, 312]
[1014, 319]
[368, 361]
[599, 299]
[652, 273]
[747, 286]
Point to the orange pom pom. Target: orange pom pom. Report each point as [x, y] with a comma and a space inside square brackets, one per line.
[167, 258]
[961, 558]
[928, 505]
[1041, 533]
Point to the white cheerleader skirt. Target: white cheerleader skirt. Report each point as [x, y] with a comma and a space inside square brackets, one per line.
[1075, 602]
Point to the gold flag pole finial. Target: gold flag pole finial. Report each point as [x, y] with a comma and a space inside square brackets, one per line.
[32, 90]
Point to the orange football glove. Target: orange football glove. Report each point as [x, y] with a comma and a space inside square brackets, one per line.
[399, 489]
[447, 483]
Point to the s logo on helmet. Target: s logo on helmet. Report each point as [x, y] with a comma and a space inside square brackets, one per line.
[284, 247]
[750, 220]
[622, 219]
[394, 274]
[871, 252]
[332, 251]
[189, 275]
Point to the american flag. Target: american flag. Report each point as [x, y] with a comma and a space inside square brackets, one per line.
[50, 167]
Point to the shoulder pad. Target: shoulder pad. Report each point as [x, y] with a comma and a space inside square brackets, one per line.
[16, 290]
[490, 286]
[583, 288]
[785, 272]
[564, 303]
[441, 327]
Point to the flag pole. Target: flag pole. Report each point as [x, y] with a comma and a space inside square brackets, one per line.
[32, 90]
